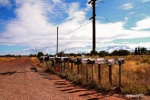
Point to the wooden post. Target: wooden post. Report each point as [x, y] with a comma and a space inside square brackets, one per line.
[86, 73]
[110, 74]
[99, 74]
[119, 75]
[71, 66]
[64, 66]
[78, 68]
[92, 72]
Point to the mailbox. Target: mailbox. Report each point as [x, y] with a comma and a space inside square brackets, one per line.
[91, 61]
[84, 60]
[110, 62]
[64, 58]
[71, 60]
[78, 61]
[51, 58]
[119, 61]
[99, 61]
[46, 58]
[57, 59]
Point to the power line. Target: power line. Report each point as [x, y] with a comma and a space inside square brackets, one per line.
[76, 29]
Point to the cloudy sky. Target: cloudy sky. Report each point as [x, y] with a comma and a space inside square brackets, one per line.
[27, 26]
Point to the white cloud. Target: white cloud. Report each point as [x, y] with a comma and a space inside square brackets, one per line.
[56, 1]
[5, 3]
[145, 0]
[34, 27]
[127, 6]
[143, 24]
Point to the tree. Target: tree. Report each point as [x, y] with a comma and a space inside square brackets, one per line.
[120, 53]
[143, 50]
[136, 51]
[40, 54]
[60, 54]
[95, 53]
[103, 53]
[139, 50]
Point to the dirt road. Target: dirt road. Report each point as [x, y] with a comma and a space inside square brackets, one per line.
[18, 82]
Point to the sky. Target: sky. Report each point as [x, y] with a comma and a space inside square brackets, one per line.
[30, 26]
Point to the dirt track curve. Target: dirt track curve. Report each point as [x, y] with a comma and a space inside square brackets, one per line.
[18, 82]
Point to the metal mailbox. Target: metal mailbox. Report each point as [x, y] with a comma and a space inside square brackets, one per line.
[99, 61]
[65, 58]
[71, 60]
[119, 61]
[84, 60]
[110, 61]
[51, 58]
[78, 61]
[91, 61]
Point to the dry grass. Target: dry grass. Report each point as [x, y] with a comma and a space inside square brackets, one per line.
[5, 59]
[135, 74]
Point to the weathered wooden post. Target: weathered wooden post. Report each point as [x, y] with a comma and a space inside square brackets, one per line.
[119, 62]
[58, 63]
[78, 62]
[110, 62]
[99, 61]
[65, 60]
[92, 62]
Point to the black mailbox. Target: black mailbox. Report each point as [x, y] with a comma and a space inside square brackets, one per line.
[78, 61]
[57, 58]
[46, 58]
[91, 61]
[119, 61]
[71, 60]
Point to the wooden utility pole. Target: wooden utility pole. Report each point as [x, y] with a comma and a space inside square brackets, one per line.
[93, 2]
[57, 42]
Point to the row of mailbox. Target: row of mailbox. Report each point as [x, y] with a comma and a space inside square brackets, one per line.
[84, 60]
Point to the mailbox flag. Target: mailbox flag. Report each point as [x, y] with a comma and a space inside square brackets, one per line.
[57, 69]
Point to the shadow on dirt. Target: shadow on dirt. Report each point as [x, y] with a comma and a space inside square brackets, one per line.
[8, 73]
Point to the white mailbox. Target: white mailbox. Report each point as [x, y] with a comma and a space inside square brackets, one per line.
[51, 58]
[110, 61]
[84, 60]
[64, 58]
[99, 61]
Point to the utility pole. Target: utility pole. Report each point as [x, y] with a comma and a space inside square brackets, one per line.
[57, 42]
[93, 2]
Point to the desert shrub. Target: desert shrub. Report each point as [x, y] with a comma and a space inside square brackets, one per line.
[145, 60]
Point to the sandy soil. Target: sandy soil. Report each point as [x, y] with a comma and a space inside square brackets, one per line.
[18, 82]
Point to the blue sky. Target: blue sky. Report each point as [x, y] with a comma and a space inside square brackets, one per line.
[27, 26]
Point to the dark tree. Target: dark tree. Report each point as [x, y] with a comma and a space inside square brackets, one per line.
[139, 50]
[40, 54]
[143, 50]
[136, 51]
[93, 53]
[120, 53]
[103, 53]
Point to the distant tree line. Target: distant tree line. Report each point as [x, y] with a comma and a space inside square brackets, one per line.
[9, 55]
[137, 51]
[141, 51]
